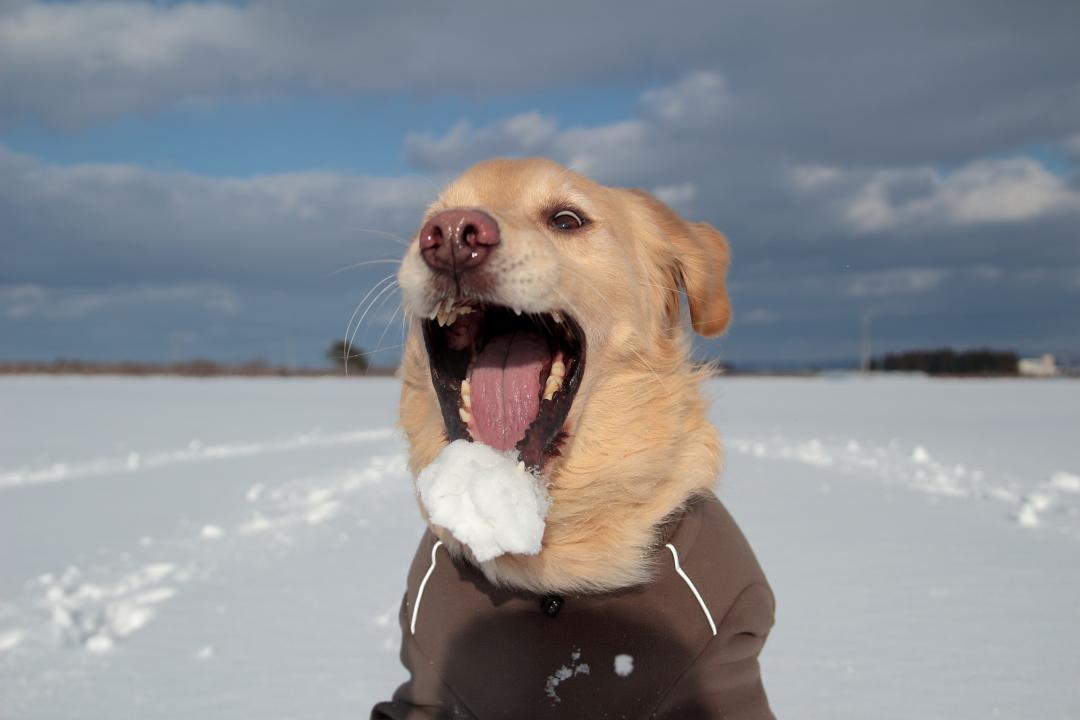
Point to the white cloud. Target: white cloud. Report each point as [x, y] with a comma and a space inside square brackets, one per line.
[1003, 191]
[757, 316]
[1010, 190]
[698, 100]
[677, 196]
[634, 150]
[526, 133]
[905, 281]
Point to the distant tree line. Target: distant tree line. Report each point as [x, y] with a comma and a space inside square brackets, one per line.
[347, 359]
[946, 361]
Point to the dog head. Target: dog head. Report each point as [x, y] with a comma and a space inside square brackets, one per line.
[545, 319]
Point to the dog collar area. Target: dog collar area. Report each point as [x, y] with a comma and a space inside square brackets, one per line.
[550, 605]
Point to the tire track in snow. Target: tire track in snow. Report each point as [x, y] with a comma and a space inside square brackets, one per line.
[194, 452]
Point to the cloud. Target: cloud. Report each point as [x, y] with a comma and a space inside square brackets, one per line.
[1010, 190]
[1072, 146]
[524, 134]
[35, 302]
[670, 123]
[821, 226]
[117, 261]
[844, 84]
[699, 100]
[677, 196]
[121, 224]
[896, 282]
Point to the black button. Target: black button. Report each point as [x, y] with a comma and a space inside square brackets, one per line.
[551, 605]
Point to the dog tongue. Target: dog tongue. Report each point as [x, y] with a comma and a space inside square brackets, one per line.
[505, 388]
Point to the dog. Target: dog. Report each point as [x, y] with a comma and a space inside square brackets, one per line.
[545, 320]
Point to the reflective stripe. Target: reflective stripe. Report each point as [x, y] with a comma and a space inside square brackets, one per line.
[420, 592]
[693, 589]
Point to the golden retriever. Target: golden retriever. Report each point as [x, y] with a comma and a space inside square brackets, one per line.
[591, 277]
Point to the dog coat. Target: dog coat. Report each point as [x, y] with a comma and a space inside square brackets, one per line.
[683, 646]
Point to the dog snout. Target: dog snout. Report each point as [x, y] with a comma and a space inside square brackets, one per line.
[457, 240]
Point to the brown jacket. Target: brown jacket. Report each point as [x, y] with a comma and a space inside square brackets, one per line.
[685, 646]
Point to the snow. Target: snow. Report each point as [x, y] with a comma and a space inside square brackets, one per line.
[624, 665]
[564, 673]
[894, 517]
[485, 498]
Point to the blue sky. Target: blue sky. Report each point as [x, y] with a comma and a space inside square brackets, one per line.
[185, 179]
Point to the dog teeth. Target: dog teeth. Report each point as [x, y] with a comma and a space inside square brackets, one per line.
[558, 369]
[466, 394]
[447, 313]
[466, 416]
[550, 388]
[557, 317]
[552, 385]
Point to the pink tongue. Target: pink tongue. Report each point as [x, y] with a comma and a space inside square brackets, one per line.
[505, 388]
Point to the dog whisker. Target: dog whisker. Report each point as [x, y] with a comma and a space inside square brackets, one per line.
[662, 287]
[370, 353]
[378, 290]
[380, 261]
[383, 294]
[378, 343]
[348, 326]
[404, 242]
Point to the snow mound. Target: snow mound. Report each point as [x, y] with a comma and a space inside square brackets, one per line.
[485, 498]
[95, 615]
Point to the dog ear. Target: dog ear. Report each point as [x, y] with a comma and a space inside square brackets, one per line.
[700, 256]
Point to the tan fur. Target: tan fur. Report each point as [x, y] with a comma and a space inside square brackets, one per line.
[639, 444]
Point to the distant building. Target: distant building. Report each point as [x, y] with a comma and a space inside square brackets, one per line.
[1044, 366]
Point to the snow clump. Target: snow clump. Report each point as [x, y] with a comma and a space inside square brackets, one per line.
[485, 498]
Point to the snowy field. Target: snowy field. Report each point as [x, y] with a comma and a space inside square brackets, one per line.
[176, 548]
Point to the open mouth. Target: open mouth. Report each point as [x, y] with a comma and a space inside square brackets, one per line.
[505, 379]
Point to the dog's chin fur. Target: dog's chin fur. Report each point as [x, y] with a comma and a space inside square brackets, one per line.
[638, 446]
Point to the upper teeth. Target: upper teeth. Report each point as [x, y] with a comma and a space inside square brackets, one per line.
[555, 377]
[447, 313]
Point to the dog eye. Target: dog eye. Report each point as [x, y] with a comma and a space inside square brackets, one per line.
[566, 220]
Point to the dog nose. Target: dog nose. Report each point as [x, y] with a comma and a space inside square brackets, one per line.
[456, 240]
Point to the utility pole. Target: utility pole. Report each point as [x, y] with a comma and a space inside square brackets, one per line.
[864, 342]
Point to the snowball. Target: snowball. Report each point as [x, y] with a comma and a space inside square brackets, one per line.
[624, 665]
[485, 498]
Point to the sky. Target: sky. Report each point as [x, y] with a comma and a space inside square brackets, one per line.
[232, 180]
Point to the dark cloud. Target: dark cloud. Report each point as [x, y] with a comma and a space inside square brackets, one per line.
[850, 82]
